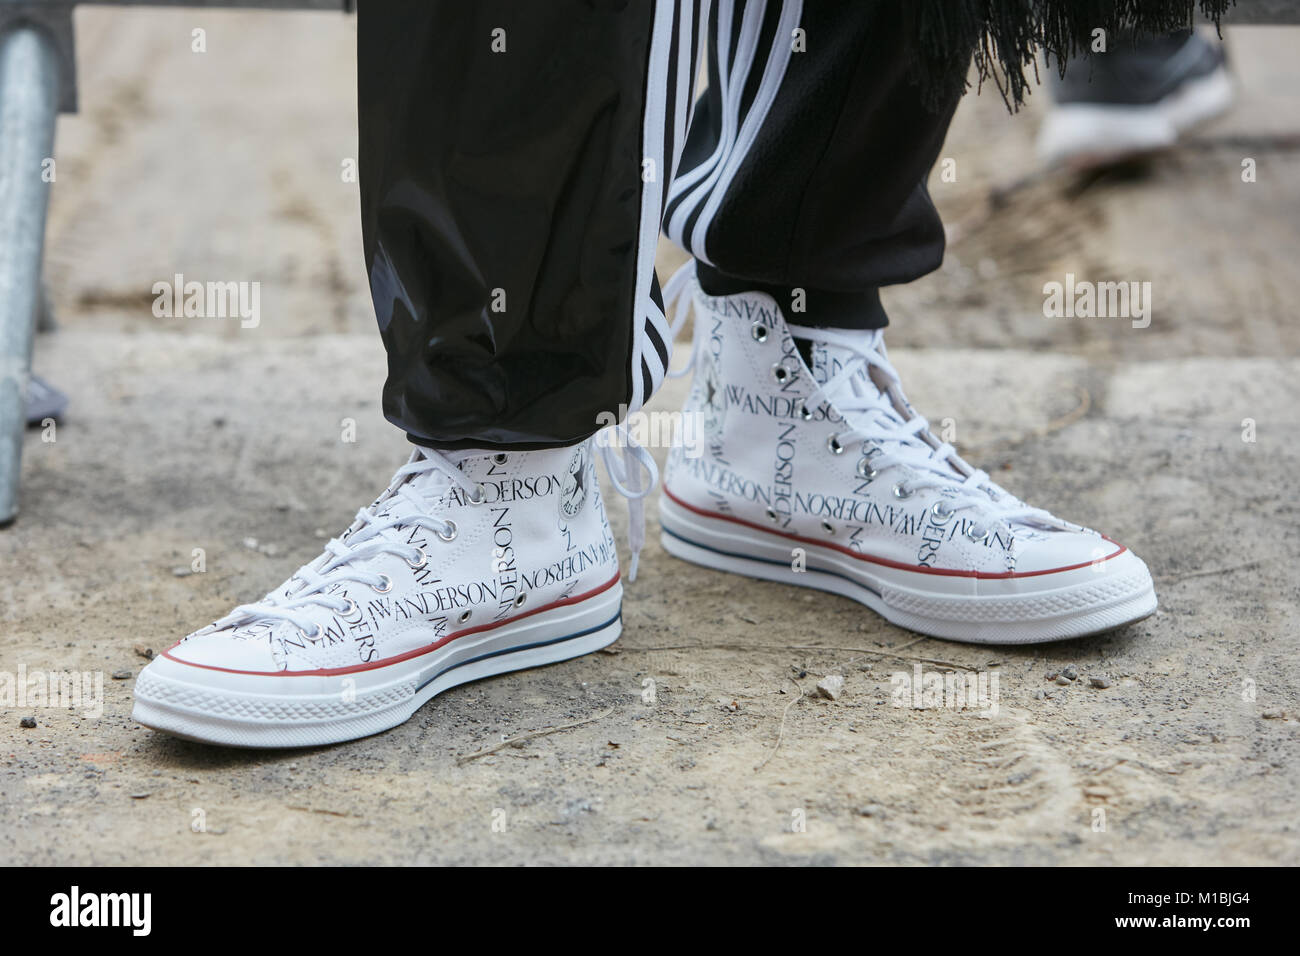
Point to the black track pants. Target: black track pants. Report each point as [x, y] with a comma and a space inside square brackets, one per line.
[518, 156]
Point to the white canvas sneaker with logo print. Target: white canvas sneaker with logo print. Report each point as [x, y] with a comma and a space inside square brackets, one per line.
[470, 564]
[819, 473]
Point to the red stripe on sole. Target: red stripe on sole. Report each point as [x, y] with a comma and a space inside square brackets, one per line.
[373, 665]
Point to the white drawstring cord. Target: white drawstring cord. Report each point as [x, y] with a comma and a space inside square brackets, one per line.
[625, 474]
[679, 296]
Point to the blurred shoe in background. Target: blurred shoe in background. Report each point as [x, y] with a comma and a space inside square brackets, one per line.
[1133, 99]
[44, 401]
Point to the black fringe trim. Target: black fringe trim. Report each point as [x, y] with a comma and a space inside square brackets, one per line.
[1004, 36]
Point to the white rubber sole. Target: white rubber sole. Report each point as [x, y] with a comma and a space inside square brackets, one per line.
[1087, 134]
[326, 707]
[1019, 610]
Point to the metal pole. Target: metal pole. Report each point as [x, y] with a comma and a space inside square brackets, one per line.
[29, 105]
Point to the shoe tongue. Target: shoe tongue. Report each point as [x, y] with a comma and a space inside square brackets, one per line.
[432, 486]
[826, 360]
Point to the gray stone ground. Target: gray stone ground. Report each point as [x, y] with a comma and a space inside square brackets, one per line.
[190, 434]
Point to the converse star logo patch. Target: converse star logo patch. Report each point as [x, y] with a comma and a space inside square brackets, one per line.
[573, 493]
[715, 402]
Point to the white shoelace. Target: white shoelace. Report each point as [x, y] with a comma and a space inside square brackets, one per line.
[625, 471]
[870, 405]
[625, 474]
[369, 536]
[679, 296]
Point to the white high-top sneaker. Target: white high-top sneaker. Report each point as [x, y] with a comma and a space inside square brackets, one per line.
[469, 564]
[825, 477]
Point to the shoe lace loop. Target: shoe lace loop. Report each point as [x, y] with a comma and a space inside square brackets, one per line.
[625, 474]
[679, 295]
[625, 470]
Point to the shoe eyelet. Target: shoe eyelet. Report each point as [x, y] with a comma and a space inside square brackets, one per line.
[833, 443]
[311, 635]
[464, 616]
[901, 492]
[805, 412]
[480, 495]
[416, 565]
[499, 458]
[772, 515]
[759, 331]
[386, 587]
[865, 470]
[519, 601]
[349, 609]
[450, 534]
[941, 510]
[828, 527]
[977, 537]
[780, 373]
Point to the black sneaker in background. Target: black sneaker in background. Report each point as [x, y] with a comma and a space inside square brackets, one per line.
[44, 401]
[1133, 99]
